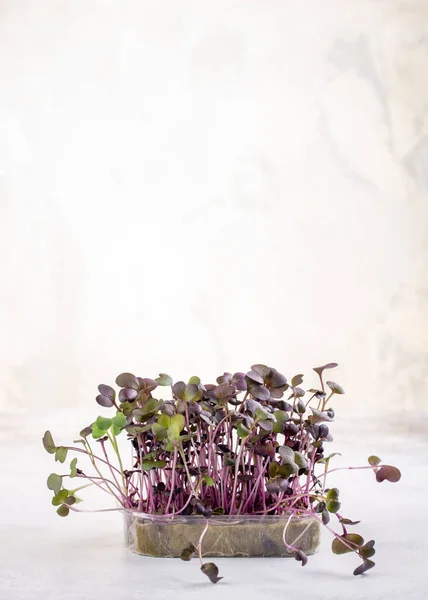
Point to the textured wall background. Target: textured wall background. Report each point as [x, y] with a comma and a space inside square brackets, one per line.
[194, 186]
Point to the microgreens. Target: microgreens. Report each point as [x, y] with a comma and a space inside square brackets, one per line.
[236, 447]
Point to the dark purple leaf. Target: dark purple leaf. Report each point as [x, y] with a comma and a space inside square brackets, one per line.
[265, 449]
[272, 486]
[389, 473]
[224, 391]
[253, 376]
[127, 380]
[261, 370]
[127, 394]
[367, 564]
[179, 389]
[239, 381]
[277, 380]
[146, 385]
[104, 401]
[225, 378]
[245, 477]
[211, 571]
[319, 370]
[107, 390]
[301, 556]
[260, 392]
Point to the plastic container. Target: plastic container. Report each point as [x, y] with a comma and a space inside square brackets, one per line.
[227, 536]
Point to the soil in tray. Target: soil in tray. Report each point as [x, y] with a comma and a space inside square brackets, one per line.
[239, 539]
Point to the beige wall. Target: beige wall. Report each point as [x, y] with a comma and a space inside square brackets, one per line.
[191, 187]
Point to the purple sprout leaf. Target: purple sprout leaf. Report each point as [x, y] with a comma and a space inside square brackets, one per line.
[224, 391]
[211, 571]
[319, 370]
[146, 385]
[126, 394]
[178, 389]
[389, 473]
[260, 392]
[265, 449]
[261, 370]
[365, 566]
[318, 416]
[335, 387]
[125, 380]
[301, 557]
[107, 391]
[86, 431]
[239, 381]
[104, 401]
[253, 376]
[368, 550]
[277, 380]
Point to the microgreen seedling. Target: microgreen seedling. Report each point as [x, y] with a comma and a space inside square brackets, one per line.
[250, 444]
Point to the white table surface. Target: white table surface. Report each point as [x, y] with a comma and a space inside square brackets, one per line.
[44, 557]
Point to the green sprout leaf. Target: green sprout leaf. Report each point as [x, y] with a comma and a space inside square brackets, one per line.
[54, 482]
[63, 510]
[60, 497]
[61, 454]
[73, 467]
[148, 465]
[97, 433]
[119, 420]
[333, 505]
[333, 494]
[242, 431]
[374, 460]
[48, 443]
[354, 540]
[207, 480]
[194, 380]
[164, 379]
[175, 427]
[103, 423]
[297, 380]
[280, 417]
[188, 552]
[164, 421]
[159, 432]
[191, 393]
